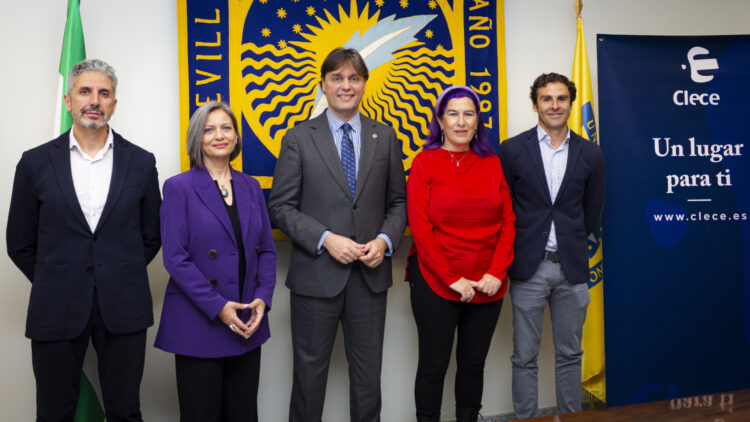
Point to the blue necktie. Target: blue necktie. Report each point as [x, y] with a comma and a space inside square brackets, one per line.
[347, 158]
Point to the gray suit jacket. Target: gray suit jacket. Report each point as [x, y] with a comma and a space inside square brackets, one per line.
[310, 195]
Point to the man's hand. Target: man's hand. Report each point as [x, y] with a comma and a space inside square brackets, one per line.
[489, 284]
[374, 252]
[343, 249]
[465, 288]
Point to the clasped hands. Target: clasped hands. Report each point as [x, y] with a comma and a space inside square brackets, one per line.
[346, 251]
[488, 285]
[228, 316]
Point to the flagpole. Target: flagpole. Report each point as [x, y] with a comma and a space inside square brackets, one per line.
[583, 122]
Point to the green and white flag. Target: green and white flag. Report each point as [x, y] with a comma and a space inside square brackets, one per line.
[73, 51]
[89, 407]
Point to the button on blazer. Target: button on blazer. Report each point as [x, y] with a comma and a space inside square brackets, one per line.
[576, 210]
[200, 253]
[49, 239]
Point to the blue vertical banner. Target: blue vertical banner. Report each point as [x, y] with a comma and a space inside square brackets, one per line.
[263, 58]
[674, 112]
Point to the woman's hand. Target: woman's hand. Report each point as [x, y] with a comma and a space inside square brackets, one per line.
[228, 316]
[259, 309]
[465, 288]
[489, 284]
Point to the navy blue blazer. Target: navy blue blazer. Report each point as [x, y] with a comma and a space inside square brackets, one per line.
[50, 241]
[576, 210]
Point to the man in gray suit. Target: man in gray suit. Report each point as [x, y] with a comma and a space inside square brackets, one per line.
[339, 192]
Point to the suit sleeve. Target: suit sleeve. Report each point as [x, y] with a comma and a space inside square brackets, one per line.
[505, 162]
[284, 199]
[593, 195]
[429, 250]
[503, 255]
[266, 253]
[394, 222]
[150, 204]
[23, 220]
[175, 235]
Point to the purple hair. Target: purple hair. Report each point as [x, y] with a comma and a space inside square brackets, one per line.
[480, 144]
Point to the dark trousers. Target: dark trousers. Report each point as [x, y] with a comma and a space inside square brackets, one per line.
[314, 325]
[58, 364]
[218, 389]
[437, 320]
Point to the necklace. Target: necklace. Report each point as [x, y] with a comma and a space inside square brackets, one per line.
[457, 160]
[223, 184]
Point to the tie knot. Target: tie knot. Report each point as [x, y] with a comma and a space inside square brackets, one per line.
[346, 127]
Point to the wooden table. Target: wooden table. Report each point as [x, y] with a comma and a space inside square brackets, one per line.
[733, 406]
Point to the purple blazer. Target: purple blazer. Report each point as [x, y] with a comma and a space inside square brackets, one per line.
[200, 255]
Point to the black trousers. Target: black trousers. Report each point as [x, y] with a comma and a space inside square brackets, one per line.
[58, 364]
[437, 321]
[218, 389]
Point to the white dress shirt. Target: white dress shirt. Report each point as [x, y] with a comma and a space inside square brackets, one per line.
[91, 177]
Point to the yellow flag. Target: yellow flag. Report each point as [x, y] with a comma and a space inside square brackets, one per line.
[582, 122]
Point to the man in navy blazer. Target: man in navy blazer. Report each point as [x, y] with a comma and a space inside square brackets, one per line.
[556, 179]
[83, 224]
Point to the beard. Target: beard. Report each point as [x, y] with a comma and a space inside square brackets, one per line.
[93, 124]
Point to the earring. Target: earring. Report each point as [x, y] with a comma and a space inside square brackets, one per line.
[442, 137]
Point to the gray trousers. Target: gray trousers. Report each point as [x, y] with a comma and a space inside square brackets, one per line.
[568, 303]
[314, 324]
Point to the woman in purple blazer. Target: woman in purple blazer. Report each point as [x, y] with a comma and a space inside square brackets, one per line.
[218, 250]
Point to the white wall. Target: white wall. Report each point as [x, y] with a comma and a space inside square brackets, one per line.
[139, 38]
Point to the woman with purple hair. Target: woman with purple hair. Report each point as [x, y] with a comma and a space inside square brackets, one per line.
[461, 218]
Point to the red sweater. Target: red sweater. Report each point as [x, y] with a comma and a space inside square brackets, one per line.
[461, 218]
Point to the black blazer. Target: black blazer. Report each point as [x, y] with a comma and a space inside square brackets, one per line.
[576, 210]
[50, 241]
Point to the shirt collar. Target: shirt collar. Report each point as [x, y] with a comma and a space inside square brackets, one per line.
[109, 143]
[335, 123]
[542, 135]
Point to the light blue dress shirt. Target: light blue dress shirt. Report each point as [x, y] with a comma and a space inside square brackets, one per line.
[334, 123]
[555, 162]
[355, 134]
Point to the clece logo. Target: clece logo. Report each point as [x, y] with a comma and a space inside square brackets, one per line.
[698, 69]
[697, 65]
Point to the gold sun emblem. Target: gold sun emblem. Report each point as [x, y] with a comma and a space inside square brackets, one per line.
[282, 78]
